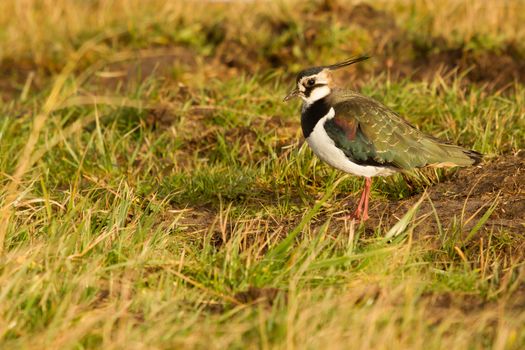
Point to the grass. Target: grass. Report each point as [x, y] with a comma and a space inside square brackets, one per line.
[153, 203]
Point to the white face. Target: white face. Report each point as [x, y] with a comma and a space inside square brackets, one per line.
[314, 87]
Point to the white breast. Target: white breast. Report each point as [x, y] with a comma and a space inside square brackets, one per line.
[324, 147]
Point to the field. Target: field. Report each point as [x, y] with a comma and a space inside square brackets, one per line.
[156, 193]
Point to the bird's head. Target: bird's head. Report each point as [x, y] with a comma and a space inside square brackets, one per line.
[315, 83]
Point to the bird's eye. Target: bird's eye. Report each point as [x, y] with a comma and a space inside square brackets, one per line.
[310, 82]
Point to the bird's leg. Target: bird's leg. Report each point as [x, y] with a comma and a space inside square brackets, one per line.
[358, 211]
[368, 187]
[362, 208]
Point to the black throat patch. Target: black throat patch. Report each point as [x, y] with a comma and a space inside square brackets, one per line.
[311, 115]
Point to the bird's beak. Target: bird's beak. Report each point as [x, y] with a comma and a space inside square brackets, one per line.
[294, 93]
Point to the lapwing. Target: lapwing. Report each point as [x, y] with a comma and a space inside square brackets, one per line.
[358, 135]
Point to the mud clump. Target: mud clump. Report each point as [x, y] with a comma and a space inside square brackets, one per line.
[466, 197]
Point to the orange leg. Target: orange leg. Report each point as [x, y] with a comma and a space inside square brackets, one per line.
[362, 208]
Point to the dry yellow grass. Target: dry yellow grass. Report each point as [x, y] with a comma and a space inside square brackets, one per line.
[43, 28]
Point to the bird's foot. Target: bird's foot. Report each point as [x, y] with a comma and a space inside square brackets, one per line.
[360, 214]
[357, 215]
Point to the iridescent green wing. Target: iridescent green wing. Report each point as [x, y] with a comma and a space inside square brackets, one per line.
[370, 133]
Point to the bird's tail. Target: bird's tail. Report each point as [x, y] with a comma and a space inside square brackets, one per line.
[457, 156]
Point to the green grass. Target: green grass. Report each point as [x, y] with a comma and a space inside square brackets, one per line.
[182, 209]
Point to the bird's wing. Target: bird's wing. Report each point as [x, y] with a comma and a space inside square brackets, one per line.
[370, 133]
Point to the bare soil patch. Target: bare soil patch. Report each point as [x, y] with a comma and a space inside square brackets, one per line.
[468, 194]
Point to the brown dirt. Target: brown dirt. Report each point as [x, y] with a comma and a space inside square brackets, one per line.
[470, 192]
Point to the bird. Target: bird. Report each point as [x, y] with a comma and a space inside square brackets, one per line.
[361, 136]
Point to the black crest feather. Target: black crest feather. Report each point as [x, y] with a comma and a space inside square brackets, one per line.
[315, 70]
